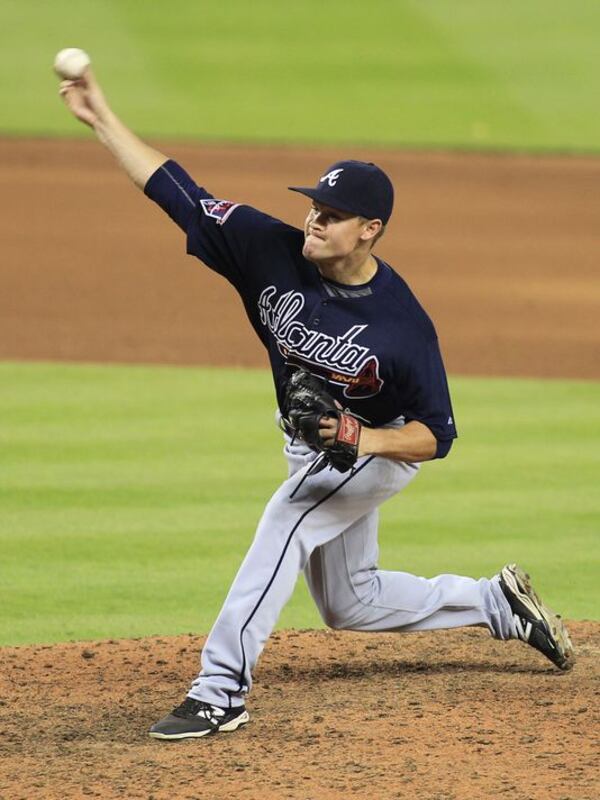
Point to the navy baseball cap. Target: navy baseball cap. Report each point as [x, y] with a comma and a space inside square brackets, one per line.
[358, 187]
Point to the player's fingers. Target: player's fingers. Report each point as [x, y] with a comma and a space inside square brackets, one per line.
[66, 94]
[75, 83]
[78, 105]
[70, 97]
[69, 90]
[328, 424]
[328, 430]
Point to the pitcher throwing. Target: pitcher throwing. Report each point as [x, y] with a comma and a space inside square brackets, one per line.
[363, 400]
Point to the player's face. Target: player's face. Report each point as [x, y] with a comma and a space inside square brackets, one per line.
[330, 233]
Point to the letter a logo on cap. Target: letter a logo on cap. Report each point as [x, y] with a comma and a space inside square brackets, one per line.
[331, 177]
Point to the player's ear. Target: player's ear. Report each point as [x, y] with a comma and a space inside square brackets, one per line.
[371, 230]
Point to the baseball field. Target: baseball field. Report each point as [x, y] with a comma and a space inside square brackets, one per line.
[138, 439]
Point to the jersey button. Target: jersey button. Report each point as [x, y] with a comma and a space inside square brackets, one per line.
[324, 302]
[316, 321]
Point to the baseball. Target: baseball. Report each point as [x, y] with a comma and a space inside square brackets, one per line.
[71, 63]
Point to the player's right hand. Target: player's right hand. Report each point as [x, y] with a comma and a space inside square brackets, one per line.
[84, 98]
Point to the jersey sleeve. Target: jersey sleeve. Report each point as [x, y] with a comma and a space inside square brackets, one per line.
[428, 397]
[175, 192]
[221, 233]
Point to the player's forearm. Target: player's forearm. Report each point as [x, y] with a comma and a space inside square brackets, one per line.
[137, 159]
[85, 99]
[414, 442]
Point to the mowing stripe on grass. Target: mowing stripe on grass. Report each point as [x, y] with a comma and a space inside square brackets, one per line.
[129, 495]
[407, 73]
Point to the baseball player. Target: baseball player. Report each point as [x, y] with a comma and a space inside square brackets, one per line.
[363, 400]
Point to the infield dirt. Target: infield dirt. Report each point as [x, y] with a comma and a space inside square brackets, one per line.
[442, 716]
[503, 252]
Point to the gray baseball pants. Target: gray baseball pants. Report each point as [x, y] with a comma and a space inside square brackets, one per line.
[329, 531]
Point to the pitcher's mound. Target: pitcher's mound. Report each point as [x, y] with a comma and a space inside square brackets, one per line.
[441, 716]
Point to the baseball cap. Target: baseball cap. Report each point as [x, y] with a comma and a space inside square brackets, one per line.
[359, 187]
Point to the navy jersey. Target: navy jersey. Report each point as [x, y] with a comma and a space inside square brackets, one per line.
[374, 345]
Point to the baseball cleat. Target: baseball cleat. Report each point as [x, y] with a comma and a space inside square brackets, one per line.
[194, 718]
[535, 623]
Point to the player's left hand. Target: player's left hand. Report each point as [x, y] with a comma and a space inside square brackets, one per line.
[327, 430]
[306, 406]
[328, 427]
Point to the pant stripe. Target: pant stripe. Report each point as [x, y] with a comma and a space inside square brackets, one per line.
[282, 556]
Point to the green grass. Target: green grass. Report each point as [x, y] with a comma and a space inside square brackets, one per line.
[519, 74]
[128, 495]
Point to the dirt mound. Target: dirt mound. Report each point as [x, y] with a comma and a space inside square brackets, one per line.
[447, 716]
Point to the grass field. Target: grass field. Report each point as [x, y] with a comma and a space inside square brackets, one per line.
[126, 502]
[393, 72]
[130, 494]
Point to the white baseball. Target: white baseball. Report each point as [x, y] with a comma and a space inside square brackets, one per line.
[71, 63]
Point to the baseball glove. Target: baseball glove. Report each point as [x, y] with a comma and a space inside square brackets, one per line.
[306, 402]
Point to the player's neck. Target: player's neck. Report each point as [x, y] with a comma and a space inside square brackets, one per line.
[351, 271]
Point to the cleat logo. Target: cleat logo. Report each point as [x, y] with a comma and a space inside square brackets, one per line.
[211, 715]
[523, 631]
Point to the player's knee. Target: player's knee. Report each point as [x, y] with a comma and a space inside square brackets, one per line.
[351, 613]
[338, 617]
[333, 620]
